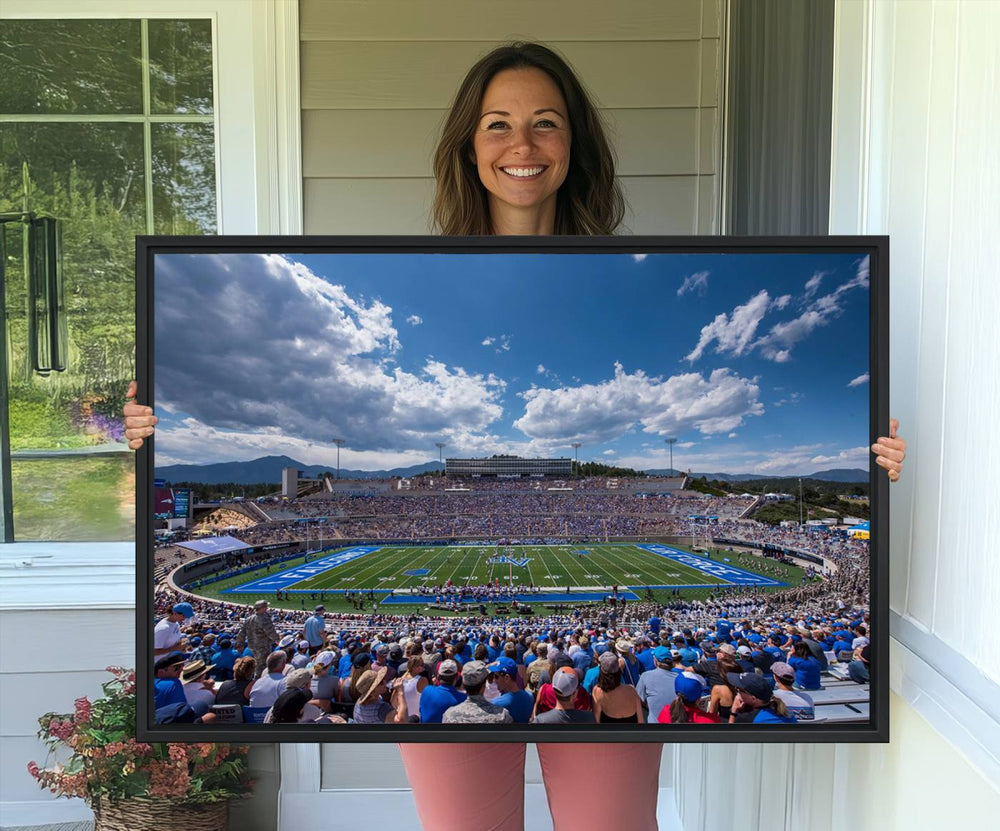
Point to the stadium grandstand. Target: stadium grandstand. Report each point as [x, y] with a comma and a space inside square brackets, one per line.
[556, 571]
[508, 467]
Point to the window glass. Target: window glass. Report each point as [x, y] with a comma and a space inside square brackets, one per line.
[180, 66]
[183, 179]
[70, 66]
[86, 164]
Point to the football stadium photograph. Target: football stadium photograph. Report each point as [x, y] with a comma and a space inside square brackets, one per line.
[706, 562]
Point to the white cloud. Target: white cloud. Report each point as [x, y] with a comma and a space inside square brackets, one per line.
[596, 413]
[733, 333]
[639, 257]
[694, 282]
[861, 379]
[777, 344]
[609, 453]
[541, 370]
[414, 320]
[502, 343]
[278, 351]
[812, 284]
[850, 457]
[731, 436]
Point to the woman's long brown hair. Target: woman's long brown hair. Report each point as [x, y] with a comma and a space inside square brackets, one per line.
[590, 201]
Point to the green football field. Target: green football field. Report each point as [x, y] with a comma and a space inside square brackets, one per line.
[551, 567]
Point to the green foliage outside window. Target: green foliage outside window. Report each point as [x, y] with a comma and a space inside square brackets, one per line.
[77, 119]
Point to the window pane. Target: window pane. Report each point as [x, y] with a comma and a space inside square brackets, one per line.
[91, 177]
[70, 66]
[184, 179]
[180, 66]
[75, 499]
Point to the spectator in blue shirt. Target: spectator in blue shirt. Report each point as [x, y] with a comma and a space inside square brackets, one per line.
[224, 659]
[516, 701]
[435, 700]
[806, 667]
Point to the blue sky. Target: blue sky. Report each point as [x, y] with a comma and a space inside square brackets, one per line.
[756, 363]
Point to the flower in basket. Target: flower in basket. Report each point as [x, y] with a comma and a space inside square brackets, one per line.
[106, 765]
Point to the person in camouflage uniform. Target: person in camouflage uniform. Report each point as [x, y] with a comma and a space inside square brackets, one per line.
[476, 709]
[258, 631]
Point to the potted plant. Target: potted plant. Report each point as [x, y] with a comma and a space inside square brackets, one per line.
[132, 785]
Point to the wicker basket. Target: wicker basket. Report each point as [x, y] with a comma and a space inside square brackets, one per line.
[160, 815]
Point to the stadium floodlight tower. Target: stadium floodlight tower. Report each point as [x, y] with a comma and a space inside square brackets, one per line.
[340, 443]
[440, 445]
[670, 443]
[576, 455]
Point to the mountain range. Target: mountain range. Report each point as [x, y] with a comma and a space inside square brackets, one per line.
[268, 469]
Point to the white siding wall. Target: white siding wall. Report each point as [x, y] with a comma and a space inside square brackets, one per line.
[915, 156]
[377, 79]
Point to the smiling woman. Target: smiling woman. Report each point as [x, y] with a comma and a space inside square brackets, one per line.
[519, 109]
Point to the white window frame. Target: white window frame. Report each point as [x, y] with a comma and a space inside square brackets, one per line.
[256, 88]
[258, 179]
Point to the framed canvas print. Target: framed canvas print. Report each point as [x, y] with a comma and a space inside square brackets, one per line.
[512, 489]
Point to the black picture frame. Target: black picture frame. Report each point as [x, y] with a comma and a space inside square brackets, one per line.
[874, 730]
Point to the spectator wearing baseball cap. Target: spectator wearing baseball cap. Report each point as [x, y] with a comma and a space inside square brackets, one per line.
[325, 684]
[300, 658]
[516, 701]
[755, 702]
[644, 655]
[476, 709]
[546, 698]
[799, 704]
[167, 687]
[684, 708]
[435, 700]
[224, 659]
[614, 701]
[167, 632]
[565, 686]
[314, 630]
[656, 686]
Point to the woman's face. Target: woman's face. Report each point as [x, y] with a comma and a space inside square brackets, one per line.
[521, 143]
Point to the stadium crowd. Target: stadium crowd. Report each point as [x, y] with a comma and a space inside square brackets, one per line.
[754, 659]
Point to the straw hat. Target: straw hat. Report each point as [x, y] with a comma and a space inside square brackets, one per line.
[368, 683]
[194, 671]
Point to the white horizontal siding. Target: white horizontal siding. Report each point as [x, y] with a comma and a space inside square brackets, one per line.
[377, 79]
[553, 20]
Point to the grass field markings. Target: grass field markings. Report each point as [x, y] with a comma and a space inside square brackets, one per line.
[318, 582]
[571, 567]
[600, 554]
[355, 571]
[461, 563]
[548, 571]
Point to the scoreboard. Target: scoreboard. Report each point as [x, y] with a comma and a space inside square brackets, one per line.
[170, 503]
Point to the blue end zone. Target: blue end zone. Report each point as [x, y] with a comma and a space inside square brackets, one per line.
[712, 568]
[417, 572]
[282, 580]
